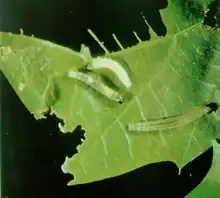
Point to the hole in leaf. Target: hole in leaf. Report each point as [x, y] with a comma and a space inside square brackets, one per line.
[212, 17]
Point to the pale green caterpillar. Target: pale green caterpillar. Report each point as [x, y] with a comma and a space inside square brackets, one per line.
[97, 85]
[115, 67]
[105, 63]
[173, 122]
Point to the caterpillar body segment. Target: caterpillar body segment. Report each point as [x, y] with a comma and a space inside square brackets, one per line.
[97, 85]
[173, 122]
[111, 65]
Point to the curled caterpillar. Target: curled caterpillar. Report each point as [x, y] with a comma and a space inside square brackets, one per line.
[104, 63]
[112, 65]
[175, 121]
[98, 85]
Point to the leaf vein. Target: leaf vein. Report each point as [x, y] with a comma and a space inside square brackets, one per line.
[128, 139]
[140, 107]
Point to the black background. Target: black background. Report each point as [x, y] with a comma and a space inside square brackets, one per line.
[33, 151]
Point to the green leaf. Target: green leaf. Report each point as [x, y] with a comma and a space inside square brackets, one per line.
[209, 187]
[170, 75]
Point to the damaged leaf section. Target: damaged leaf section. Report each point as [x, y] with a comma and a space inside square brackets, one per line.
[32, 66]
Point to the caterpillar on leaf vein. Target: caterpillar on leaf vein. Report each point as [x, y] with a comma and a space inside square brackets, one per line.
[97, 85]
[174, 121]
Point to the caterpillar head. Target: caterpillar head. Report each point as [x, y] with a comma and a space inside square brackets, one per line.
[120, 99]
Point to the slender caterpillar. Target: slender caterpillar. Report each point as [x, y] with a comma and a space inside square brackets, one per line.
[97, 84]
[175, 121]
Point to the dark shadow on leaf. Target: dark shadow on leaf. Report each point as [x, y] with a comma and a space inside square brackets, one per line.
[191, 9]
[205, 57]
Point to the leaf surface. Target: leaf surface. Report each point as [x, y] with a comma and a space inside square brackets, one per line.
[170, 75]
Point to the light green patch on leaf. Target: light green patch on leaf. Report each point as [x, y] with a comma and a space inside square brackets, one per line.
[170, 75]
[210, 186]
